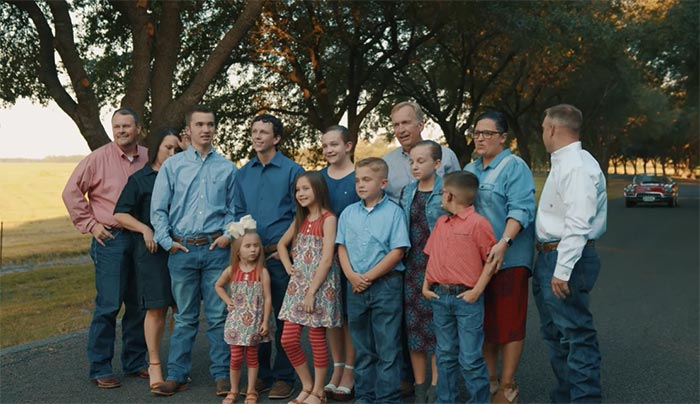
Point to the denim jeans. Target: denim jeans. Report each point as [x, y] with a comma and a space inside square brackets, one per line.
[282, 368]
[193, 276]
[115, 283]
[459, 337]
[567, 328]
[374, 318]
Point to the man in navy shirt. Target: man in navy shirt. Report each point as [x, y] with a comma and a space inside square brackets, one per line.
[265, 190]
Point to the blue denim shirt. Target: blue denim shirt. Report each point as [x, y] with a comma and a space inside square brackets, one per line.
[192, 196]
[433, 208]
[508, 191]
[370, 236]
[266, 191]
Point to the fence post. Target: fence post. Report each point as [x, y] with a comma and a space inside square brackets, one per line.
[1, 228]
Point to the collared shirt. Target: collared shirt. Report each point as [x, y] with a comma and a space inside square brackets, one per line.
[433, 206]
[266, 191]
[135, 198]
[341, 192]
[573, 207]
[457, 248]
[370, 235]
[507, 190]
[102, 176]
[192, 197]
[400, 169]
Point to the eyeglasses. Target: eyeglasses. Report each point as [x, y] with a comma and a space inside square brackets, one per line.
[486, 134]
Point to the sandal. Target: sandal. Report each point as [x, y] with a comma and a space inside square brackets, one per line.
[330, 388]
[493, 386]
[322, 398]
[231, 397]
[155, 385]
[251, 397]
[343, 393]
[296, 401]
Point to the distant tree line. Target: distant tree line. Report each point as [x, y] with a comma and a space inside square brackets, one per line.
[631, 67]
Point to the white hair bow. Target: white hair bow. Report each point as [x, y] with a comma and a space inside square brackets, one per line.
[238, 229]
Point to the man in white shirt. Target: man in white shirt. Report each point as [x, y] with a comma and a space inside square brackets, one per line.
[408, 121]
[571, 215]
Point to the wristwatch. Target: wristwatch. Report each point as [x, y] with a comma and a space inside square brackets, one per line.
[508, 240]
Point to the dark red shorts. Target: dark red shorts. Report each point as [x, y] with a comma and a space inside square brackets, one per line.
[505, 306]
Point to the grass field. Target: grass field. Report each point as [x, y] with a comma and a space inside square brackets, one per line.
[36, 226]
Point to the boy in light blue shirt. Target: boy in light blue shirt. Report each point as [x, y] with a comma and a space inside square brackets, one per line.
[372, 237]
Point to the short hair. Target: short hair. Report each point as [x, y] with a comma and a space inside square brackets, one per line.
[127, 111]
[420, 116]
[154, 141]
[344, 132]
[464, 184]
[375, 164]
[566, 115]
[277, 126]
[205, 109]
[498, 117]
[435, 148]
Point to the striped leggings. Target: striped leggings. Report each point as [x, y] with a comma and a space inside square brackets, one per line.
[251, 354]
[291, 342]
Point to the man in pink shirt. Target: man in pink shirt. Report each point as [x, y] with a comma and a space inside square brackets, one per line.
[101, 176]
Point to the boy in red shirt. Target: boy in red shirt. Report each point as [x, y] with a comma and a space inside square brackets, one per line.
[454, 281]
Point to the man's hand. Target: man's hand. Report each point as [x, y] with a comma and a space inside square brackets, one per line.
[359, 282]
[560, 288]
[470, 296]
[148, 239]
[177, 247]
[101, 232]
[221, 242]
[429, 294]
[495, 257]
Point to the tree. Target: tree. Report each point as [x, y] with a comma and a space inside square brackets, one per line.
[157, 57]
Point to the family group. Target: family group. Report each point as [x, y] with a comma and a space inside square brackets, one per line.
[413, 270]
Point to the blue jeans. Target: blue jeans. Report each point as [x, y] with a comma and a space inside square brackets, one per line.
[567, 328]
[115, 283]
[459, 337]
[282, 368]
[193, 276]
[374, 319]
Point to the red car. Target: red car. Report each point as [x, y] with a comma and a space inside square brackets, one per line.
[647, 188]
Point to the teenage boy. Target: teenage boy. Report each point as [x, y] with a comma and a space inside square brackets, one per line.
[372, 237]
[191, 205]
[265, 190]
[454, 281]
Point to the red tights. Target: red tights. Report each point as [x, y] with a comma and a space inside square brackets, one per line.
[291, 337]
[251, 354]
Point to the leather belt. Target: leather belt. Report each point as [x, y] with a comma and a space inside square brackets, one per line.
[552, 245]
[270, 249]
[449, 289]
[198, 241]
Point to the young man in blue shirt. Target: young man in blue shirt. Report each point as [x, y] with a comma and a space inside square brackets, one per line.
[192, 202]
[265, 190]
[372, 237]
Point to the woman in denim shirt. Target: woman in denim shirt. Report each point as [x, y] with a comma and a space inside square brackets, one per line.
[421, 202]
[506, 197]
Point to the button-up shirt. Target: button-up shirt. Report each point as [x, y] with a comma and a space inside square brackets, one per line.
[573, 207]
[135, 199]
[400, 169]
[101, 176]
[369, 235]
[457, 248]
[192, 197]
[507, 190]
[266, 191]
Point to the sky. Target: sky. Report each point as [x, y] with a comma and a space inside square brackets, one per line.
[33, 131]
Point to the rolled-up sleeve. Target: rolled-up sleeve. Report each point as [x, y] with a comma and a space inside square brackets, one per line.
[520, 194]
[74, 196]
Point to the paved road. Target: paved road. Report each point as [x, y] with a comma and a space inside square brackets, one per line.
[645, 305]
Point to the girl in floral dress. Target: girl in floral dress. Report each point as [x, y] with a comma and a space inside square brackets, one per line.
[249, 305]
[422, 204]
[312, 297]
